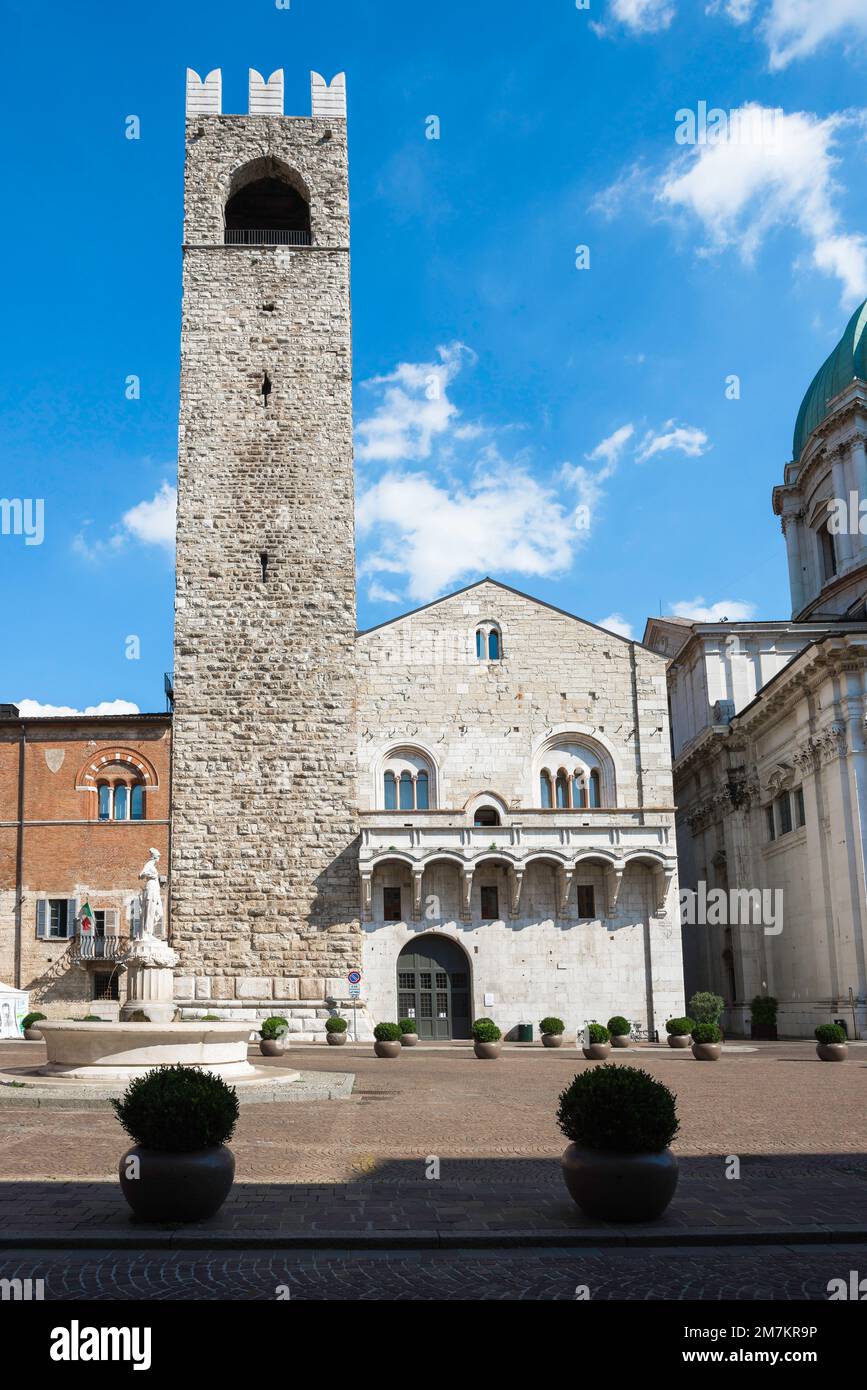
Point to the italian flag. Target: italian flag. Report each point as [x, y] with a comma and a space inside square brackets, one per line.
[86, 918]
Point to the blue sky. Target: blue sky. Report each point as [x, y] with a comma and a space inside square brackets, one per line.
[567, 430]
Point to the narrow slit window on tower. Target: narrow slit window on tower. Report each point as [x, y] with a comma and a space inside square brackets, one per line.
[266, 389]
[263, 561]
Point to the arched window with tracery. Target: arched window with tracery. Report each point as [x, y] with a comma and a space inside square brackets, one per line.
[407, 781]
[489, 642]
[574, 774]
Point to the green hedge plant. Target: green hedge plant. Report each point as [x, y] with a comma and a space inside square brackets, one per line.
[763, 1009]
[830, 1033]
[29, 1019]
[178, 1109]
[387, 1032]
[552, 1025]
[598, 1034]
[486, 1030]
[618, 1026]
[679, 1027]
[407, 1025]
[706, 1033]
[618, 1110]
[273, 1028]
[706, 1008]
[335, 1024]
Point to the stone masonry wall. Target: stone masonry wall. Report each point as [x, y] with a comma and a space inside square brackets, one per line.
[264, 903]
[481, 721]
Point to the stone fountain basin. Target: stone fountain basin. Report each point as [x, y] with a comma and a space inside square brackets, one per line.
[109, 1051]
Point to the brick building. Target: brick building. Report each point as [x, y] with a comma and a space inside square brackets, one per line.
[82, 800]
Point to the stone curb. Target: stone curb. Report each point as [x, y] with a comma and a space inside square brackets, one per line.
[312, 1085]
[189, 1238]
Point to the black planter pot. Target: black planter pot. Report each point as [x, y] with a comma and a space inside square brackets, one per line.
[177, 1186]
[620, 1187]
[763, 1032]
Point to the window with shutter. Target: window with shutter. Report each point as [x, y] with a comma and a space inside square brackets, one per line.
[42, 917]
[111, 920]
[135, 916]
[71, 916]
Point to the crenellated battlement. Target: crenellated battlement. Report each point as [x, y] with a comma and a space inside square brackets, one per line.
[205, 95]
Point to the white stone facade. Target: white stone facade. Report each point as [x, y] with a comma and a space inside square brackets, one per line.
[770, 760]
[481, 727]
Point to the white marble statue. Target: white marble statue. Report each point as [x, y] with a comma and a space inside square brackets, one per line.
[151, 901]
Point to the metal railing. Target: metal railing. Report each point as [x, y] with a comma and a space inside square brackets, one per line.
[252, 236]
[100, 948]
[169, 688]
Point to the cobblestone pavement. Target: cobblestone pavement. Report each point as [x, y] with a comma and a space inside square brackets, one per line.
[778, 1099]
[774, 1272]
[357, 1170]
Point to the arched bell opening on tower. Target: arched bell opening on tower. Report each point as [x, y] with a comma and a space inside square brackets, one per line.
[268, 206]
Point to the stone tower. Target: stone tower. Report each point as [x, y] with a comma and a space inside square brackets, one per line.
[264, 895]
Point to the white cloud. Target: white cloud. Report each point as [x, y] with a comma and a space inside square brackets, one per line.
[642, 16]
[610, 449]
[33, 709]
[742, 189]
[154, 522]
[378, 593]
[615, 622]
[796, 28]
[414, 409]
[439, 534]
[701, 612]
[738, 11]
[683, 439]
[151, 522]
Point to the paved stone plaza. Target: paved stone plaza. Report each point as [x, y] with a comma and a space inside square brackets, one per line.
[320, 1177]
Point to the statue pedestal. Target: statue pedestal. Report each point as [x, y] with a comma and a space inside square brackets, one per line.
[151, 987]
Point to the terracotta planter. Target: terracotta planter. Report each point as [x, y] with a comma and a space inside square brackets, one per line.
[272, 1047]
[706, 1052]
[832, 1052]
[683, 1040]
[33, 1034]
[621, 1040]
[596, 1052]
[336, 1039]
[177, 1186]
[386, 1049]
[408, 1039]
[620, 1187]
[552, 1039]
[486, 1051]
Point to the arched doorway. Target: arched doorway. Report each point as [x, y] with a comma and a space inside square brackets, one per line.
[433, 987]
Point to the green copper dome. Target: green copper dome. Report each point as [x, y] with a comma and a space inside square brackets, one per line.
[847, 361]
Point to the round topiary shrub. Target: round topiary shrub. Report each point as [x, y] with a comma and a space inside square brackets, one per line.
[273, 1028]
[387, 1032]
[830, 1033]
[619, 1110]
[706, 1008]
[763, 1009]
[618, 1026]
[486, 1030]
[29, 1019]
[679, 1027]
[598, 1034]
[336, 1024]
[407, 1025]
[178, 1109]
[93, 1018]
[552, 1025]
[706, 1033]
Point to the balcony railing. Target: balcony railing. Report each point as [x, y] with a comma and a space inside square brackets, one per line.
[99, 948]
[252, 236]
